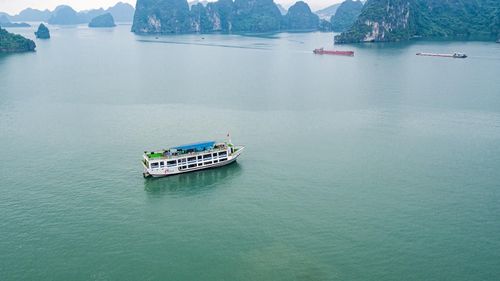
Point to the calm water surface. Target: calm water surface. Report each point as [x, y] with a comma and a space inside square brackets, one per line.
[384, 166]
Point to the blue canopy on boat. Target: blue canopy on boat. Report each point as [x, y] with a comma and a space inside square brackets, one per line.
[199, 146]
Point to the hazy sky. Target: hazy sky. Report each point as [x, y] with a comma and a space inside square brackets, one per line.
[14, 6]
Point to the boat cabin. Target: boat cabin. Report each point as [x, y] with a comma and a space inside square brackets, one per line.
[188, 156]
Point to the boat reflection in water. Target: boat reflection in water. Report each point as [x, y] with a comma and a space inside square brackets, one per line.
[193, 183]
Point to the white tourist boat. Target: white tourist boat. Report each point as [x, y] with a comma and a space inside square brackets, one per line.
[189, 157]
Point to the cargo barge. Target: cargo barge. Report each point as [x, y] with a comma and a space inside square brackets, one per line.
[322, 51]
[454, 55]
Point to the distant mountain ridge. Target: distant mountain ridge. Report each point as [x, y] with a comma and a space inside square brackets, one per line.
[328, 12]
[64, 14]
[5, 22]
[400, 20]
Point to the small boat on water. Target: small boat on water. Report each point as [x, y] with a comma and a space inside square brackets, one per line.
[189, 158]
[454, 55]
[322, 51]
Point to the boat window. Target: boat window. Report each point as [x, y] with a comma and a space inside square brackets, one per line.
[192, 158]
[223, 153]
[192, 166]
[183, 160]
[154, 165]
[214, 155]
[199, 164]
[216, 161]
[162, 164]
[207, 163]
[171, 163]
[199, 157]
[223, 159]
[207, 156]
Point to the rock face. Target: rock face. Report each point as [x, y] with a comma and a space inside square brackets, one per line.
[11, 43]
[256, 16]
[398, 20]
[5, 22]
[174, 16]
[65, 15]
[161, 16]
[105, 20]
[300, 17]
[346, 15]
[42, 32]
[325, 26]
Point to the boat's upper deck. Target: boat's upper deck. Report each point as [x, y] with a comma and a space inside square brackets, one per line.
[186, 150]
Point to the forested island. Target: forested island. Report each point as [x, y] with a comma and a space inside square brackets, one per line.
[105, 20]
[42, 32]
[400, 20]
[14, 43]
[175, 16]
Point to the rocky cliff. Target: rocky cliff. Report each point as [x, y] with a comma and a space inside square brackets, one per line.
[161, 16]
[346, 15]
[174, 16]
[42, 32]
[397, 20]
[300, 17]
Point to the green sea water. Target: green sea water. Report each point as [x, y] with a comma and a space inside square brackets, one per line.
[382, 166]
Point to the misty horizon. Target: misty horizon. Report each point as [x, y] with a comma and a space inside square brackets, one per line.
[14, 7]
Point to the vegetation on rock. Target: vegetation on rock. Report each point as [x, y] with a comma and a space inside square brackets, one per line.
[300, 17]
[11, 43]
[174, 16]
[346, 15]
[42, 32]
[397, 20]
[324, 25]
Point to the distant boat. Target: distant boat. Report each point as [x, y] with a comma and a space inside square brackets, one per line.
[189, 158]
[322, 51]
[454, 55]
